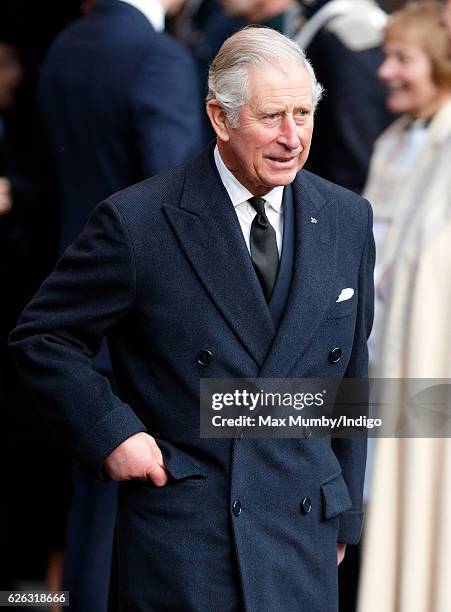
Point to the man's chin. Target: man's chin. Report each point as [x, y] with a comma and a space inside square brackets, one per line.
[282, 178]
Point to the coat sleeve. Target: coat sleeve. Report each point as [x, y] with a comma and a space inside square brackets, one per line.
[351, 452]
[61, 330]
[165, 110]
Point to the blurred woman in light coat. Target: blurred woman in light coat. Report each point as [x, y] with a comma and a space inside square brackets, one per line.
[407, 567]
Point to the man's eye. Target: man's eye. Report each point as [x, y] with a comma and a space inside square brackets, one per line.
[272, 116]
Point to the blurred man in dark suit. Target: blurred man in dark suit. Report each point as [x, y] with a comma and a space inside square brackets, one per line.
[117, 103]
[116, 100]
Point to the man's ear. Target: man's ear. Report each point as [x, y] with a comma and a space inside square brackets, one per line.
[218, 120]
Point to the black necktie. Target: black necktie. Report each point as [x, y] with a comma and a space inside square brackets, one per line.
[264, 253]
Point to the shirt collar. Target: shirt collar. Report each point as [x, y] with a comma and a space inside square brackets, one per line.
[238, 193]
[152, 9]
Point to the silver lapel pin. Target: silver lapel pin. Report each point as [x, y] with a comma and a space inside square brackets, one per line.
[313, 220]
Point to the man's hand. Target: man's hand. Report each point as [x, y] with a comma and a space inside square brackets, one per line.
[6, 200]
[341, 549]
[138, 457]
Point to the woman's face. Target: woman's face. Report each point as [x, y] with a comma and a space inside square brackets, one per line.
[407, 75]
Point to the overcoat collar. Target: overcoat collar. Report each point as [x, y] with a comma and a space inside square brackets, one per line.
[209, 233]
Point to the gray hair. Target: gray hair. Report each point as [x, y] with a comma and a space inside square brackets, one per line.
[228, 79]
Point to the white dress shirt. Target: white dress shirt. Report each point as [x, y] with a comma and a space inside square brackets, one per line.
[245, 212]
[152, 9]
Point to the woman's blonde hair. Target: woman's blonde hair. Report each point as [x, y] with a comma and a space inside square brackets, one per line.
[421, 20]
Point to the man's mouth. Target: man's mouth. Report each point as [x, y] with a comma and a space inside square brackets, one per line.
[284, 161]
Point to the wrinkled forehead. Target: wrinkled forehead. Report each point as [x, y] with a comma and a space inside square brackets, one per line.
[278, 80]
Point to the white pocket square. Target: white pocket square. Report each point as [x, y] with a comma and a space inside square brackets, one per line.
[346, 294]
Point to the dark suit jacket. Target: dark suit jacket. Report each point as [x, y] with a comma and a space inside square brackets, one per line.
[163, 270]
[118, 103]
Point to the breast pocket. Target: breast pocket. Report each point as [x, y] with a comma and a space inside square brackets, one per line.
[346, 308]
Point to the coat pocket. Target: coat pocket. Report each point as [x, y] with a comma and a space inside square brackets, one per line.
[335, 496]
[178, 463]
[339, 310]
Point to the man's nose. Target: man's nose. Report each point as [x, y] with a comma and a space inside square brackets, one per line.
[288, 132]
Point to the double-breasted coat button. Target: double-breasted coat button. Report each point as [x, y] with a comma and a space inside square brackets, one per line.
[236, 507]
[204, 357]
[335, 355]
[306, 505]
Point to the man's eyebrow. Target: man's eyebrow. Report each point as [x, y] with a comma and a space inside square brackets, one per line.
[273, 110]
[270, 110]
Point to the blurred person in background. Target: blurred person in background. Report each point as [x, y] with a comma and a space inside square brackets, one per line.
[343, 40]
[13, 252]
[446, 15]
[139, 118]
[409, 171]
[203, 26]
[13, 187]
[406, 562]
[117, 102]
[281, 15]
[31, 537]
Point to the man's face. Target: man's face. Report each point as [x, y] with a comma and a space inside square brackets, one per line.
[272, 141]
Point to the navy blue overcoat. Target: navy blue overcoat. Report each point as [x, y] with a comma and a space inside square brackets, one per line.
[163, 271]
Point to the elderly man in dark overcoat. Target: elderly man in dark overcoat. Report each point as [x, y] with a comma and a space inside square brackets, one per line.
[238, 264]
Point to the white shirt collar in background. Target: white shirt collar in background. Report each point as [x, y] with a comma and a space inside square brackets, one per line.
[238, 193]
[152, 9]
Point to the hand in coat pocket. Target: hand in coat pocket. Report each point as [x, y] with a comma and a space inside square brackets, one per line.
[138, 457]
[341, 551]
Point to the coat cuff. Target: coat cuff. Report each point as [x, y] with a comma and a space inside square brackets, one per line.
[350, 529]
[108, 433]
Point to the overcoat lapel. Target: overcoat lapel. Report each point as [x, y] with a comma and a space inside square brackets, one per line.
[313, 276]
[209, 233]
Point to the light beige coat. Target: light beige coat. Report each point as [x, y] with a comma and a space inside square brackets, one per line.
[407, 540]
